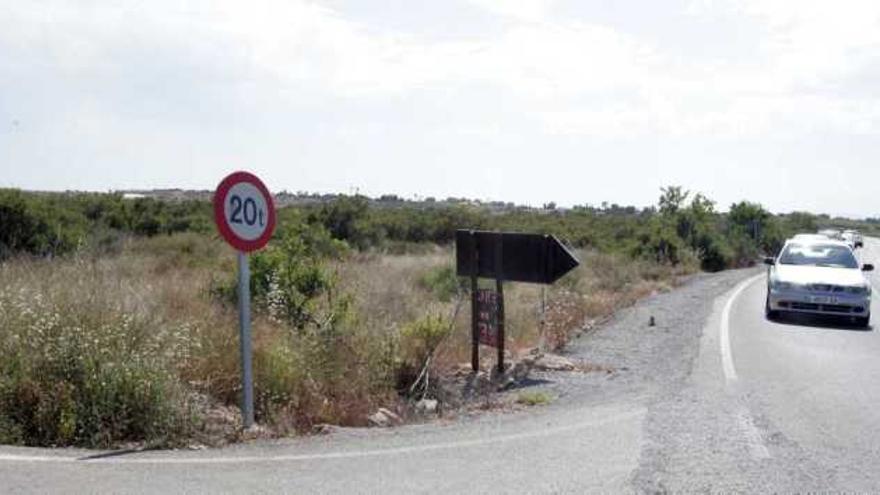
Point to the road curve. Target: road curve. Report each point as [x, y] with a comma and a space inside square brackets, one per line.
[712, 398]
[814, 385]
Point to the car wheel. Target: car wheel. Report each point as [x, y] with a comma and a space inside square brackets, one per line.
[863, 322]
[769, 313]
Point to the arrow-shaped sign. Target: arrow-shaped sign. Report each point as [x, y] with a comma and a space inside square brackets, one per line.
[535, 258]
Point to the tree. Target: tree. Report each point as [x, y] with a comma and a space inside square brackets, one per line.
[801, 222]
[751, 227]
[344, 218]
[672, 199]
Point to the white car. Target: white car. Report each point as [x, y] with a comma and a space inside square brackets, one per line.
[853, 238]
[810, 237]
[818, 277]
[831, 233]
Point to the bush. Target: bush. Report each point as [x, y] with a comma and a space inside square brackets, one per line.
[77, 372]
[443, 282]
[289, 276]
[419, 341]
[329, 370]
[317, 364]
[745, 251]
[420, 338]
[660, 243]
[56, 223]
[346, 219]
[26, 227]
[534, 398]
[713, 252]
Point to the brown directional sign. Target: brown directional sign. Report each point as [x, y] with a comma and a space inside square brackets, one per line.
[535, 258]
[504, 256]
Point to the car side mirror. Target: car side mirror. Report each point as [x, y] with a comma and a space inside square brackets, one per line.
[867, 267]
[769, 261]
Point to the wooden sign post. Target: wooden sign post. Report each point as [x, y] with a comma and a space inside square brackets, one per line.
[504, 256]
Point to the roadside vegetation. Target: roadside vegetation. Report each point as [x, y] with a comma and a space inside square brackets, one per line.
[533, 399]
[118, 319]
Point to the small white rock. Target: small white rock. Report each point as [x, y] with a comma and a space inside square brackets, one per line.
[384, 418]
[427, 406]
[554, 362]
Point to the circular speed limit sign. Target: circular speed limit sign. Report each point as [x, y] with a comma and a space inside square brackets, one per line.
[244, 212]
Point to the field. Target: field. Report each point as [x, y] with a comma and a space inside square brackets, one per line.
[119, 320]
[138, 346]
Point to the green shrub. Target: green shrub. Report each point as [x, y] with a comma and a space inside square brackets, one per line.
[660, 243]
[443, 282]
[86, 375]
[346, 218]
[533, 398]
[419, 341]
[745, 250]
[57, 223]
[420, 338]
[713, 252]
[289, 277]
[180, 250]
[325, 368]
[26, 226]
[280, 378]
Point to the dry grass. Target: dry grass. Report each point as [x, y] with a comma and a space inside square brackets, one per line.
[90, 356]
[388, 295]
[74, 326]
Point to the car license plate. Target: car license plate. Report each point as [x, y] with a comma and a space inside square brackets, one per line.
[822, 300]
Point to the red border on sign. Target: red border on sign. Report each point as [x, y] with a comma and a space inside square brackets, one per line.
[220, 215]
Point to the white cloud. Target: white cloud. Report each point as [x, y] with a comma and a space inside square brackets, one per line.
[533, 72]
[524, 10]
[570, 76]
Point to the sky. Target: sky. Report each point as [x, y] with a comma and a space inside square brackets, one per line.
[529, 101]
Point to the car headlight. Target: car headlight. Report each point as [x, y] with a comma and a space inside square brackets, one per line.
[859, 290]
[780, 285]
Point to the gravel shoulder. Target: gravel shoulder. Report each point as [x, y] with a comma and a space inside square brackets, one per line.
[645, 361]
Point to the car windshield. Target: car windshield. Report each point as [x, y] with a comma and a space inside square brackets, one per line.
[828, 255]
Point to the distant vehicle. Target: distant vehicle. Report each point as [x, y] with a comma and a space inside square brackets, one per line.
[810, 237]
[853, 238]
[831, 233]
[818, 277]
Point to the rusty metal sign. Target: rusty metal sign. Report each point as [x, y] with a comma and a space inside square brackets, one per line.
[487, 317]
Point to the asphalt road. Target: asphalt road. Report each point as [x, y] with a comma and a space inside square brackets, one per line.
[713, 398]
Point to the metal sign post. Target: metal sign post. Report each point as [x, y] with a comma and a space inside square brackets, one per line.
[244, 328]
[245, 216]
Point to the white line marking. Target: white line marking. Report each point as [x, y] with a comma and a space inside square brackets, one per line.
[331, 455]
[754, 441]
[751, 433]
[726, 354]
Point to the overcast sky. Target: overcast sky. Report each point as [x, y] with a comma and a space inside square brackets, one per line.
[517, 100]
